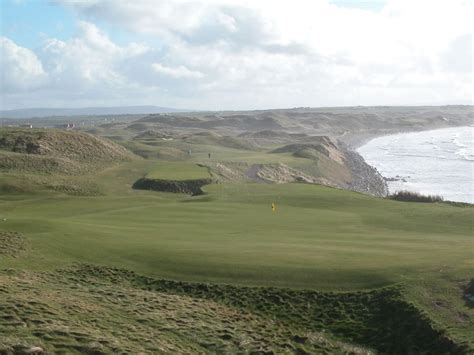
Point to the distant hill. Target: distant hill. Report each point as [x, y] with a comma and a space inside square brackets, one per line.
[85, 111]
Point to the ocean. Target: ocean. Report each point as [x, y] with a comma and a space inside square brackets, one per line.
[436, 162]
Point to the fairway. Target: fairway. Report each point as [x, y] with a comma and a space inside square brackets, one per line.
[319, 237]
[178, 171]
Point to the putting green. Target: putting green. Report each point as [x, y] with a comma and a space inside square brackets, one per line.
[318, 238]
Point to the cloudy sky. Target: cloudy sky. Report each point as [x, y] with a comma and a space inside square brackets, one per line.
[235, 54]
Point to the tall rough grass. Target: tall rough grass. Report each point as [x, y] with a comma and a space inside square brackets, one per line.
[409, 196]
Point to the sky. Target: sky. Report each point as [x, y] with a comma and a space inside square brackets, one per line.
[235, 54]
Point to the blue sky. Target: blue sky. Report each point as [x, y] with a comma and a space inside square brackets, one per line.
[235, 54]
[28, 23]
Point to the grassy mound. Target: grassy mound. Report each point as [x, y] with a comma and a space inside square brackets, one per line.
[76, 146]
[39, 164]
[95, 309]
[64, 161]
[377, 319]
[101, 311]
[151, 134]
[319, 145]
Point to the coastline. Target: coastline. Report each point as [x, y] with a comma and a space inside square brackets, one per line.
[355, 140]
[402, 177]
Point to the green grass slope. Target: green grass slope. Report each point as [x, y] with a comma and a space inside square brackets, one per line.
[319, 237]
[178, 171]
[365, 271]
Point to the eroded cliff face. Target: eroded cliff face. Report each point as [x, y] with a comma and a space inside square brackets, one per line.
[365, 178]
[335, 164]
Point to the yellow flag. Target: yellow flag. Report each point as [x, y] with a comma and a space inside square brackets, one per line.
[273, 207]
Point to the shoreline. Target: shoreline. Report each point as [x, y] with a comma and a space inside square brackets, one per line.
[355, 140]
[445, 192]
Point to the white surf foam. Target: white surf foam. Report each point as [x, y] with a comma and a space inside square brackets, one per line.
[437, 162]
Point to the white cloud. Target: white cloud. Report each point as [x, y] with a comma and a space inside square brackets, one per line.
[88, 68]
[90, 58]
[20, 68]
[255, 54]
[177, 72]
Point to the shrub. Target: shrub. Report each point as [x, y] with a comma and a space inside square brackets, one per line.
[409, 196]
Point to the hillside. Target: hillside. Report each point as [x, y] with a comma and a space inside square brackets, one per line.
[65, 161]
[72, 145]
[55, 151]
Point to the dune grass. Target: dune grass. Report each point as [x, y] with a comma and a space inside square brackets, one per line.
[409, 196]
[91, 309]
[88, 310]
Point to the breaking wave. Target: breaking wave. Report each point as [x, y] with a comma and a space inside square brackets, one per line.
[437, 162]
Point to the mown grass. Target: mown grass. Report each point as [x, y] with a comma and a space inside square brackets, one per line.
[178, 171]
[319, 238]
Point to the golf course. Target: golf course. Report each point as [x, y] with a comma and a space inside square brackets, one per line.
[91, 264]
[220, 177]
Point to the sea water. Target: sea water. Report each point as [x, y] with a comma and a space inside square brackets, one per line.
[436, 162]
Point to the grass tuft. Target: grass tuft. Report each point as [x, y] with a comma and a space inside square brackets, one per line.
[409, 196]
